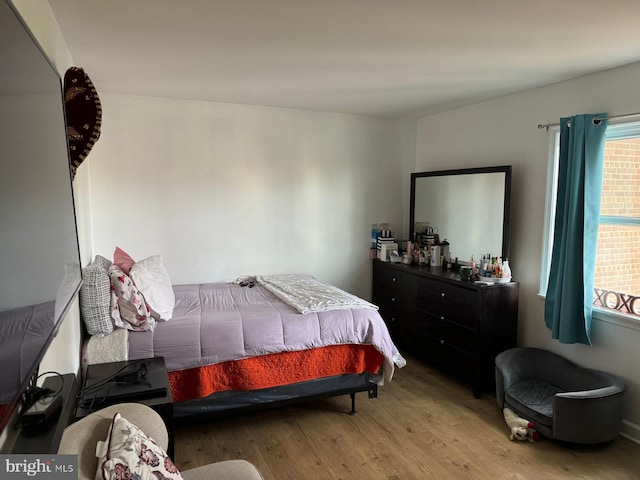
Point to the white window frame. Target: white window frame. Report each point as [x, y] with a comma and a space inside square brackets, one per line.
[617, 129]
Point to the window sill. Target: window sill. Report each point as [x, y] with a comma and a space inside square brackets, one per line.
[615, 318]
[620, 319]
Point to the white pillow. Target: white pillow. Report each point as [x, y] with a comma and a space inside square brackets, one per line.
[153, 281]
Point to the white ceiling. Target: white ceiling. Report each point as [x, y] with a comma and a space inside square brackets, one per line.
[389, 58]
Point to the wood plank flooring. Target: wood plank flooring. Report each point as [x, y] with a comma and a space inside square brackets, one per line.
[424, 424]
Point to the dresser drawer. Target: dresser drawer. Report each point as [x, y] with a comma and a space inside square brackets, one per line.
[450, 358]
[396, 308]
[445, 293]
[448, 302]
[395, 279]
[399, 326]
[394, 300]
[464, 316]
[448, 333]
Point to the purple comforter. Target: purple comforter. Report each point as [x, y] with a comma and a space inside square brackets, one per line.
[218, 322]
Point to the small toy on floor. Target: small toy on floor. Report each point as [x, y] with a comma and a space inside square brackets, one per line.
[521, 429]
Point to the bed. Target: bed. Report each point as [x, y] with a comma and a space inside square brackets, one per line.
[260, 342]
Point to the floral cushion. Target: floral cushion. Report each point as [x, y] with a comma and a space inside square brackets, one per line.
[128, 453]
[128, 307]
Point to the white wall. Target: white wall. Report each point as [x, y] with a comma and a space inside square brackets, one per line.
[224, 190]
[504, 131]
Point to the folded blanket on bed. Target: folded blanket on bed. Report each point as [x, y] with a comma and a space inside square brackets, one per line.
[308, 294]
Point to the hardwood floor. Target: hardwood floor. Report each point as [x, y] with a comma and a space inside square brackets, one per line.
[423, 424]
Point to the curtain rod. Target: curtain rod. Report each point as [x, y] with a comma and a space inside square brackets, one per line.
[547, 125]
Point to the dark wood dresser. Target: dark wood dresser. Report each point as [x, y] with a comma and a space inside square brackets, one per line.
[458, 326]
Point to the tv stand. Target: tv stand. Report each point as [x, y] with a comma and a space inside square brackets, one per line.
[118, 382]
[45, 437]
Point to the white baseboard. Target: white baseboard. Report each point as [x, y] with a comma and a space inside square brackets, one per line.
[631, 431]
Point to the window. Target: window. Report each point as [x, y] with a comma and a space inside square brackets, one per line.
[617, 278]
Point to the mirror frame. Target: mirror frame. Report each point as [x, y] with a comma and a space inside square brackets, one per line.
[506, 169]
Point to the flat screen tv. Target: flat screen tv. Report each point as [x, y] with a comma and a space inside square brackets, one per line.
[39, 255]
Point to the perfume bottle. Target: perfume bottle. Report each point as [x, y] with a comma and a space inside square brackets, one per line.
[472, 264]
[506, 269]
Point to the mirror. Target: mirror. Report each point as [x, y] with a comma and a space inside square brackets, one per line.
[467, 207]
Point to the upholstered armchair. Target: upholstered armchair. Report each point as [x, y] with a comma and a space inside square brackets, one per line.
[565, 401]
[82, 437]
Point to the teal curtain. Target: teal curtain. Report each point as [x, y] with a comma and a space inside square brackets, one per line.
[569, 300]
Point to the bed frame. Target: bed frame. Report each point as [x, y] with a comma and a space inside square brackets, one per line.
[228, 403]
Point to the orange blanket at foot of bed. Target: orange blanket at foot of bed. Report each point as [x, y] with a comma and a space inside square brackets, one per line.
[274, 370]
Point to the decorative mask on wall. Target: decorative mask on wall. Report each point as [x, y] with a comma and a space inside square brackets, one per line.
[83, 112]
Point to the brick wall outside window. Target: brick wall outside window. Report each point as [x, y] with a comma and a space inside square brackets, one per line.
[618, 262]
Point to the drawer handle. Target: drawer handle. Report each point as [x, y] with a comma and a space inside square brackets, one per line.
[393, 279]
[442, 294]
[442, 319]
[393, 319]
[393, 299]
[441, 342]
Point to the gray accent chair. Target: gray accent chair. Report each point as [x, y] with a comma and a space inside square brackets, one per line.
[565, 401]
[80, 438]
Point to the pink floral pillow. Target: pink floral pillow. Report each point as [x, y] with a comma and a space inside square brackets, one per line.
[128, 307]
[128, 453]
[123, 260]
